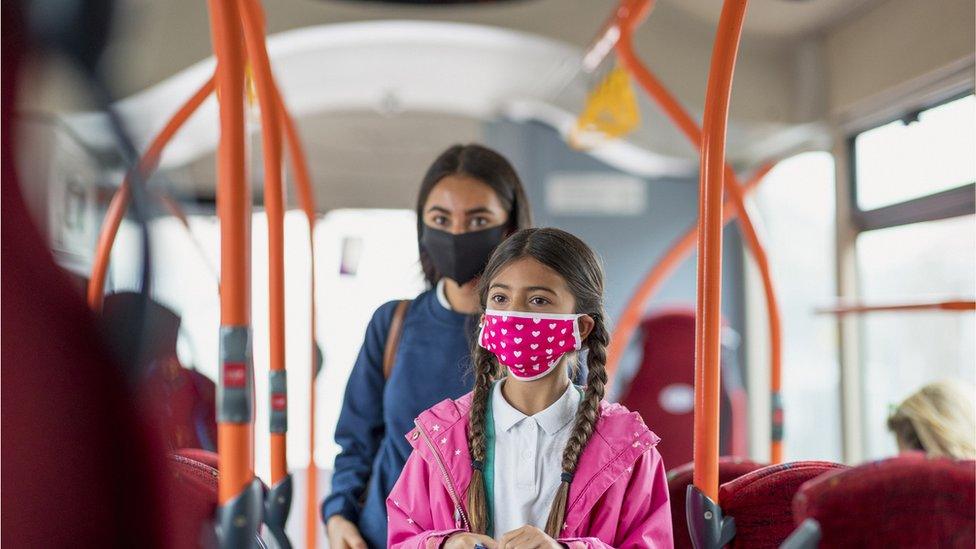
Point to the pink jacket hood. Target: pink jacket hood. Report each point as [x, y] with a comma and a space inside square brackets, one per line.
[618, 498]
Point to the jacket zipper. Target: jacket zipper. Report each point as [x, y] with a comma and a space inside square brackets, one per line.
[460, 520]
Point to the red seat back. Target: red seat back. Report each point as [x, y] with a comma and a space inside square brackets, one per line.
[908, 501]
[761, 501]
[679, 478]
[183, 402]
[193, 497]
[662, 390]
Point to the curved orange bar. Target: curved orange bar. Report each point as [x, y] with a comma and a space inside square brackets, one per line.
[680, 117]
[709, 316]
[253, 24]
[235, 440]
[119, 203]
[306, 199]
[630, 319]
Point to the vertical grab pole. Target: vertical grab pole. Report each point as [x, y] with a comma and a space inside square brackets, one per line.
[239, 493]
[708, 529]
[278, 502]
[736, 195]
[306, 198]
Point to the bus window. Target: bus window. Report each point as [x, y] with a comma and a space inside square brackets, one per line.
[901, 161]
[796, 205]
[900, 352]
[913, 184]
[382, 246]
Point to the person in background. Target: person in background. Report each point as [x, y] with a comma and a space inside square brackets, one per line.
[417, 353]
[938, 420]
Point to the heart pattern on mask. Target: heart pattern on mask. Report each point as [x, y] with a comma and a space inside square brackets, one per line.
[518, 337]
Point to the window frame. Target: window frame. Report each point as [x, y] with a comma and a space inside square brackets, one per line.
[954, 202]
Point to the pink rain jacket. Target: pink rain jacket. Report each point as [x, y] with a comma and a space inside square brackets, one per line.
[618, 498]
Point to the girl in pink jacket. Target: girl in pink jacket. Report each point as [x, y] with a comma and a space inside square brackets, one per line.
[527, 460]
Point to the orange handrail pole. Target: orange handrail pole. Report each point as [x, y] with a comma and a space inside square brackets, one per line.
[708, 318]
[254, 40]
[120, 201]
[235, 426]
[954, 305]
[306, 199]
[627, 16]
[629, 320]
[686, 124]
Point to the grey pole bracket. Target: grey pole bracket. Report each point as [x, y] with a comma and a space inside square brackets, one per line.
[234, 400]
[276, 509]
[806, 536]
[706, 525]
[278, 398]
[239, 518]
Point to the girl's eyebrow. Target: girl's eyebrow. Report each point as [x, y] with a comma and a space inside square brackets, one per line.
[439, 209]
[540, 288]
[529, 289]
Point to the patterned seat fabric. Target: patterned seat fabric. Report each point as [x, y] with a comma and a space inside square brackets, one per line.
[761, 501]
[679, 478]
[907, 501]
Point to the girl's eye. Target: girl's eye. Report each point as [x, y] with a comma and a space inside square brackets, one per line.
[498, 298]
[539, 301]
[439, 220]
[479, 222]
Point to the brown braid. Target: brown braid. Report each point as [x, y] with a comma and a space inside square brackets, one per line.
[585, 423]
[477, 506]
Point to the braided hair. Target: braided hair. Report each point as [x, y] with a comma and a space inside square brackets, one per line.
[573, 260]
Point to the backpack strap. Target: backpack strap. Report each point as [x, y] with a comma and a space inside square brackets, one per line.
[393, 337]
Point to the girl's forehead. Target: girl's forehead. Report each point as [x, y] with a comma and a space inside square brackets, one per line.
[460, 192]
[527, 272]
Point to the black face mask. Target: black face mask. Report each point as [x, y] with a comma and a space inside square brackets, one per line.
[461, 257]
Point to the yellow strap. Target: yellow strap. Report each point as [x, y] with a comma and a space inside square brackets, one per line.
[610, 111]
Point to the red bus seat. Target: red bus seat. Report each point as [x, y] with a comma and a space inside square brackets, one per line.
[679, 478]
[193, 497]
[761, 501]
[907, 501]
[662, 390]
[183, 403]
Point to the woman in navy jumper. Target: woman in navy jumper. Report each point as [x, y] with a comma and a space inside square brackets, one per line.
[469, 201]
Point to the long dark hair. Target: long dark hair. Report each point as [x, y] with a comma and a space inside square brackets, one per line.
[485, 165]
[581, 269]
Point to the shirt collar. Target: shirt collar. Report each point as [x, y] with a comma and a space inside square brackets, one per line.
[552, 420]
[442, 295]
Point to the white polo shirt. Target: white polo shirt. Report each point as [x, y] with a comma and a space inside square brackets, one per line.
[528, 459]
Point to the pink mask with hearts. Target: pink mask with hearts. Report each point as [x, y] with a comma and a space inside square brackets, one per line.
[529, 344]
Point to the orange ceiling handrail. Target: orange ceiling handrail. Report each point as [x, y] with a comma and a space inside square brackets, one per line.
[686, 124]
[708, 318]
[953, 305]
[254, 40]
[120, 201]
